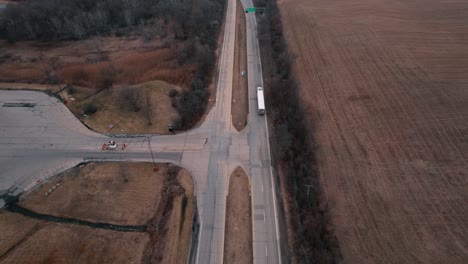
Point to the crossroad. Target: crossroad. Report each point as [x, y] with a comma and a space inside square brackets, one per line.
[39, 138]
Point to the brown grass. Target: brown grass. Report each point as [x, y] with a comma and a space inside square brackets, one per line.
[98, 193]
[179, 226]
[112, 117]
[14, 228]
[61, 243]
[384, 85]
[80, 62]
[240, 102]
[107, 198]
[170, 228]
[238, 238]
[28, 86]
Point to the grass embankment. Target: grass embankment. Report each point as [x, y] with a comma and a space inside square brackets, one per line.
[116, 114]
[240, 93]
[238, 237]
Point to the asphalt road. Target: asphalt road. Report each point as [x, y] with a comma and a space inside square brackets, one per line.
[265, 222]
[39, 138]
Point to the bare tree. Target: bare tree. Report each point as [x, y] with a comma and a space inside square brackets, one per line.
[106, 77]
[50, 67]
[149, 109]
[80, 77]
[131, 98]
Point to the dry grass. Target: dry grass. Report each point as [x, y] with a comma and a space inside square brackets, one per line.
[61, 243]
[97, 192]
[384, 85]
[14, 228]
[107, 198]
[179, 226]
[238, 238]
[112, 117]
[80, 62]
[29, 86]
[240, 102]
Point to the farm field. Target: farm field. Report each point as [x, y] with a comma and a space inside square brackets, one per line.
[385, 86]
[129, 194]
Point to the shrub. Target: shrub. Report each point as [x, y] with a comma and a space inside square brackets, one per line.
[106, 78]
[173, 93]
[89, 109]
[71, 90]
[130, 98]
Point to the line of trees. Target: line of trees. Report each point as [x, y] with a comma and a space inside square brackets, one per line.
[48, 20]
[199, 47]
[314, 240]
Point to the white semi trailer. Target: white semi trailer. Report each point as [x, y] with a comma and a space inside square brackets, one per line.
[260, 101]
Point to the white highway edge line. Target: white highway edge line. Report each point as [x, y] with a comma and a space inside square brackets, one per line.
[269, 152]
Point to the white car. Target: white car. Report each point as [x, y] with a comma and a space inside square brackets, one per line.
[112, 145]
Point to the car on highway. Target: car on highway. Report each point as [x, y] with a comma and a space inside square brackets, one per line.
[112, 145]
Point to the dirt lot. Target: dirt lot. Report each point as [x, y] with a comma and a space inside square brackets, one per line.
[240, 102]
[84, 62]
[385, 87]
[238, 238]
[98, 192]
[114, 117]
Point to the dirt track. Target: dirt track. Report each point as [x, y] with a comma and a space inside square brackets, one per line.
[385, 87]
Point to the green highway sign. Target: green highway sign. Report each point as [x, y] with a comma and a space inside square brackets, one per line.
[255, 9]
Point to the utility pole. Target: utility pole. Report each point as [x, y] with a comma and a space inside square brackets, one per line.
[151, 150]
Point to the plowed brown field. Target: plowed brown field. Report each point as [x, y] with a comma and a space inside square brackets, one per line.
[385, 84]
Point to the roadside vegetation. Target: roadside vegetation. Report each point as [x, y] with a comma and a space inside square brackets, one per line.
[103, 44]
[310, 230]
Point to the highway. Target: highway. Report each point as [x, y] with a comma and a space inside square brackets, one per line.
[39, 138]
[265, 222]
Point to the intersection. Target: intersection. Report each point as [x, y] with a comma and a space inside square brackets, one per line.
[40, 137]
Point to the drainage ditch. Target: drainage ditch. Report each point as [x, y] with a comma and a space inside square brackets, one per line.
[13, 207]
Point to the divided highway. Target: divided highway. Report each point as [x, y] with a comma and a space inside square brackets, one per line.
[39, 137]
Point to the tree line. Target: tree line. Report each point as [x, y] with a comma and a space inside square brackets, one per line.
[294, 147]
[200, 46]
[49, 20]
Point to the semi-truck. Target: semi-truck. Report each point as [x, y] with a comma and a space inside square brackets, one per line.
[260, 101]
